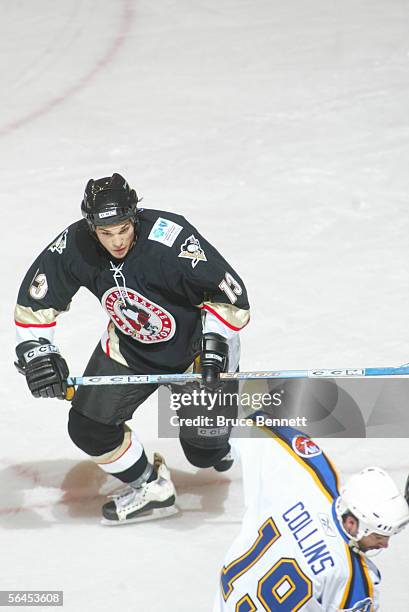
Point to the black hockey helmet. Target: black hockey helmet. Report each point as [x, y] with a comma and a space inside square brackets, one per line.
[108, 201]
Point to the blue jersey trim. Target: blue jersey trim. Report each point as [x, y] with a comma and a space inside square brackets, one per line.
[318, 463]
[337, 524]
[359, 588]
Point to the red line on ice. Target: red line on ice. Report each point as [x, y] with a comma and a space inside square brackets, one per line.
[124, 28]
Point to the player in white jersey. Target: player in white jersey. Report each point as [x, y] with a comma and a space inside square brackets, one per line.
[303, 539]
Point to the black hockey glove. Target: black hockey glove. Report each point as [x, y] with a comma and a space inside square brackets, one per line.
[45, 370]
[214, 359]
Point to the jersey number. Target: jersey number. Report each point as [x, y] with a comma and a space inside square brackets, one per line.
[231, 287]
[284, 587]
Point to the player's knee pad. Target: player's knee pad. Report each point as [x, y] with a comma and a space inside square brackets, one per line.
[203, 457]
[92, 437]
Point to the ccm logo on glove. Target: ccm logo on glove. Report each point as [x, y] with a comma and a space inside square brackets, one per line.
[45, 349]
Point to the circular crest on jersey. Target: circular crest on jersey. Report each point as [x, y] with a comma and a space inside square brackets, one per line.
[305, 447]
[137, 316]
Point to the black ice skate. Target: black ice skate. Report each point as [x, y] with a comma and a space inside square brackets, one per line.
[225, 464]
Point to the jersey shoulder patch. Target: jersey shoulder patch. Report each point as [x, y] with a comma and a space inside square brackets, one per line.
[60, 243]
[165, 231]
[192, 250]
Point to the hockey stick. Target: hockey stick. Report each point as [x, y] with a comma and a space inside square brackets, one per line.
[165, 379]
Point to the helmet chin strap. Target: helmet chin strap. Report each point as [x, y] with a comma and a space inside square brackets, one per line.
[353, 541]
[373, 553]
[354, 544]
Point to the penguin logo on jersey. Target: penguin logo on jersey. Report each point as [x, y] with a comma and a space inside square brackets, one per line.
[137, 316]
[191, 249]
[305, 447]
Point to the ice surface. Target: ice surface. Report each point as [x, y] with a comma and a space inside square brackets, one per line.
[281, 130]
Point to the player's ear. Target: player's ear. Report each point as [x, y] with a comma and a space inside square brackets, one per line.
[350, 523]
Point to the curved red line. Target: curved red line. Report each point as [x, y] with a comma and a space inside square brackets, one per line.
[35, 324]
[124, 28]
[216, 314]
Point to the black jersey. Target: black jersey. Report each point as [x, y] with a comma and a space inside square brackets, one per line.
[154, 297]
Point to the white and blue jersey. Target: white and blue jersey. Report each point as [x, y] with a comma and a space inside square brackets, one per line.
[291, 553]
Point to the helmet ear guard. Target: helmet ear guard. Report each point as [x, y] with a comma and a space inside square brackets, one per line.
[108, 201]
[373, 498]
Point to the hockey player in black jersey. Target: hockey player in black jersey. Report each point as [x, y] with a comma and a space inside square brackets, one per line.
[171, 299]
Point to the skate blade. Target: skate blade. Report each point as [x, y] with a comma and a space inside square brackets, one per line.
[152, 515]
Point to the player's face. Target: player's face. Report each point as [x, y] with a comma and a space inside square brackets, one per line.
[116, 239]
[373, 541]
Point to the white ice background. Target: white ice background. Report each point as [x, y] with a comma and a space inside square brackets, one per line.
[279, 129]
